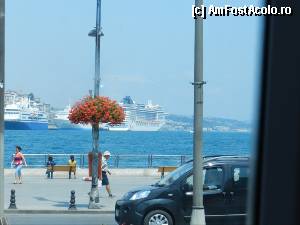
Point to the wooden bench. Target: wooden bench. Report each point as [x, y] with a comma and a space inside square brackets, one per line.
[163, 169]
[62, 168]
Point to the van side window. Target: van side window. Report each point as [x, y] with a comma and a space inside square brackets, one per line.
[212, 178]
[240, 177]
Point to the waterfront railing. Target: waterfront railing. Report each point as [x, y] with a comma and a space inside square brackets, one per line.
[116, 161]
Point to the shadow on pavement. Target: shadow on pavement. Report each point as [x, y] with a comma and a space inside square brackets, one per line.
[60, 203]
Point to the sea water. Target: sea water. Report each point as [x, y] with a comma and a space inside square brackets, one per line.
[136, 145]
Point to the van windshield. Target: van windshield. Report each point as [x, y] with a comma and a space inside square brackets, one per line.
[174, 175]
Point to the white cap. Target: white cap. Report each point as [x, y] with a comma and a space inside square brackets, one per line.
[106, 153]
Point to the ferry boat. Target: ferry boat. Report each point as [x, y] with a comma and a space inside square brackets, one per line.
[17, 118]
[21, 112]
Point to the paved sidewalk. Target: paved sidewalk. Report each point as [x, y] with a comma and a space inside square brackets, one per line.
[74, 219]
[39, 193]
[46, 219]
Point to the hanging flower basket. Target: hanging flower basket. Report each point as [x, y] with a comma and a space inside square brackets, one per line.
[96, 110]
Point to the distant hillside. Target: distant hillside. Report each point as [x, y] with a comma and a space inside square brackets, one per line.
[185, 123]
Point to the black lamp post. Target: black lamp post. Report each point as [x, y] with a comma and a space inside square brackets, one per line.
[96, 32]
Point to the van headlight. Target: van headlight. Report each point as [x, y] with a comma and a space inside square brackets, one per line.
[140, 195]
[127, 196]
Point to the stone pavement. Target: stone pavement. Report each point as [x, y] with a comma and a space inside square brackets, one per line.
[39, 193]
[55, 219]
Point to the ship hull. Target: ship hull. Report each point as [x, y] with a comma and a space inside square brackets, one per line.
[140, 125]
[145, 126]
[118, 129]
[28, 125]
[67, 125]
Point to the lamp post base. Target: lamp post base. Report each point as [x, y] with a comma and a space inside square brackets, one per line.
[3, 221]
[93, 205]
[94, 199]
[198, 216]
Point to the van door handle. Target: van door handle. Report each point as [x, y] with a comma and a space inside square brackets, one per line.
[225, 199]
[189, 193]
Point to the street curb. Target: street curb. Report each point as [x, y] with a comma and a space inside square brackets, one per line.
[39, 211]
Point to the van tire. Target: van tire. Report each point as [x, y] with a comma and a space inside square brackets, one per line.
[159, 214]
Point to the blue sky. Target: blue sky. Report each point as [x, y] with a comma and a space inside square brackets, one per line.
[147, 52]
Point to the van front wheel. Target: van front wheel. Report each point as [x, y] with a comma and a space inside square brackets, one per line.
[158, 217]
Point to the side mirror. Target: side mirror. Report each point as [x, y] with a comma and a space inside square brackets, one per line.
[187, 187]
[205, 187]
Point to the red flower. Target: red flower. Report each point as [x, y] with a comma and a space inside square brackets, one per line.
[96, 110]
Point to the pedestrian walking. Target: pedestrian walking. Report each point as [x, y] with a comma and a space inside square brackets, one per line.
[17, 162]
[50, 165]
[105, 171]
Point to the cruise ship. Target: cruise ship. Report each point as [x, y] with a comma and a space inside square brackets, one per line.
[61, 120]
[21, 112]
[140, 117]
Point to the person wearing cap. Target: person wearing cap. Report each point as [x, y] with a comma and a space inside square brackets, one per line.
[105, 171]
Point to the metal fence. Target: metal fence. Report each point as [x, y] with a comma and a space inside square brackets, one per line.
[116, 161]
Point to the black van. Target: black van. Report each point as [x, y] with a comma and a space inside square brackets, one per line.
[169, 201]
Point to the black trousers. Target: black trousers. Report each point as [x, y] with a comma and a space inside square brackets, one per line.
[70, 174]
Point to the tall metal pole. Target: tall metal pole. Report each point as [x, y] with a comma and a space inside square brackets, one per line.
[94, 194]
[97, 49]
[198, 214]
[2, 55]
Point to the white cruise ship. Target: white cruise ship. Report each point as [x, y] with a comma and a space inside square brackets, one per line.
[140, 117]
